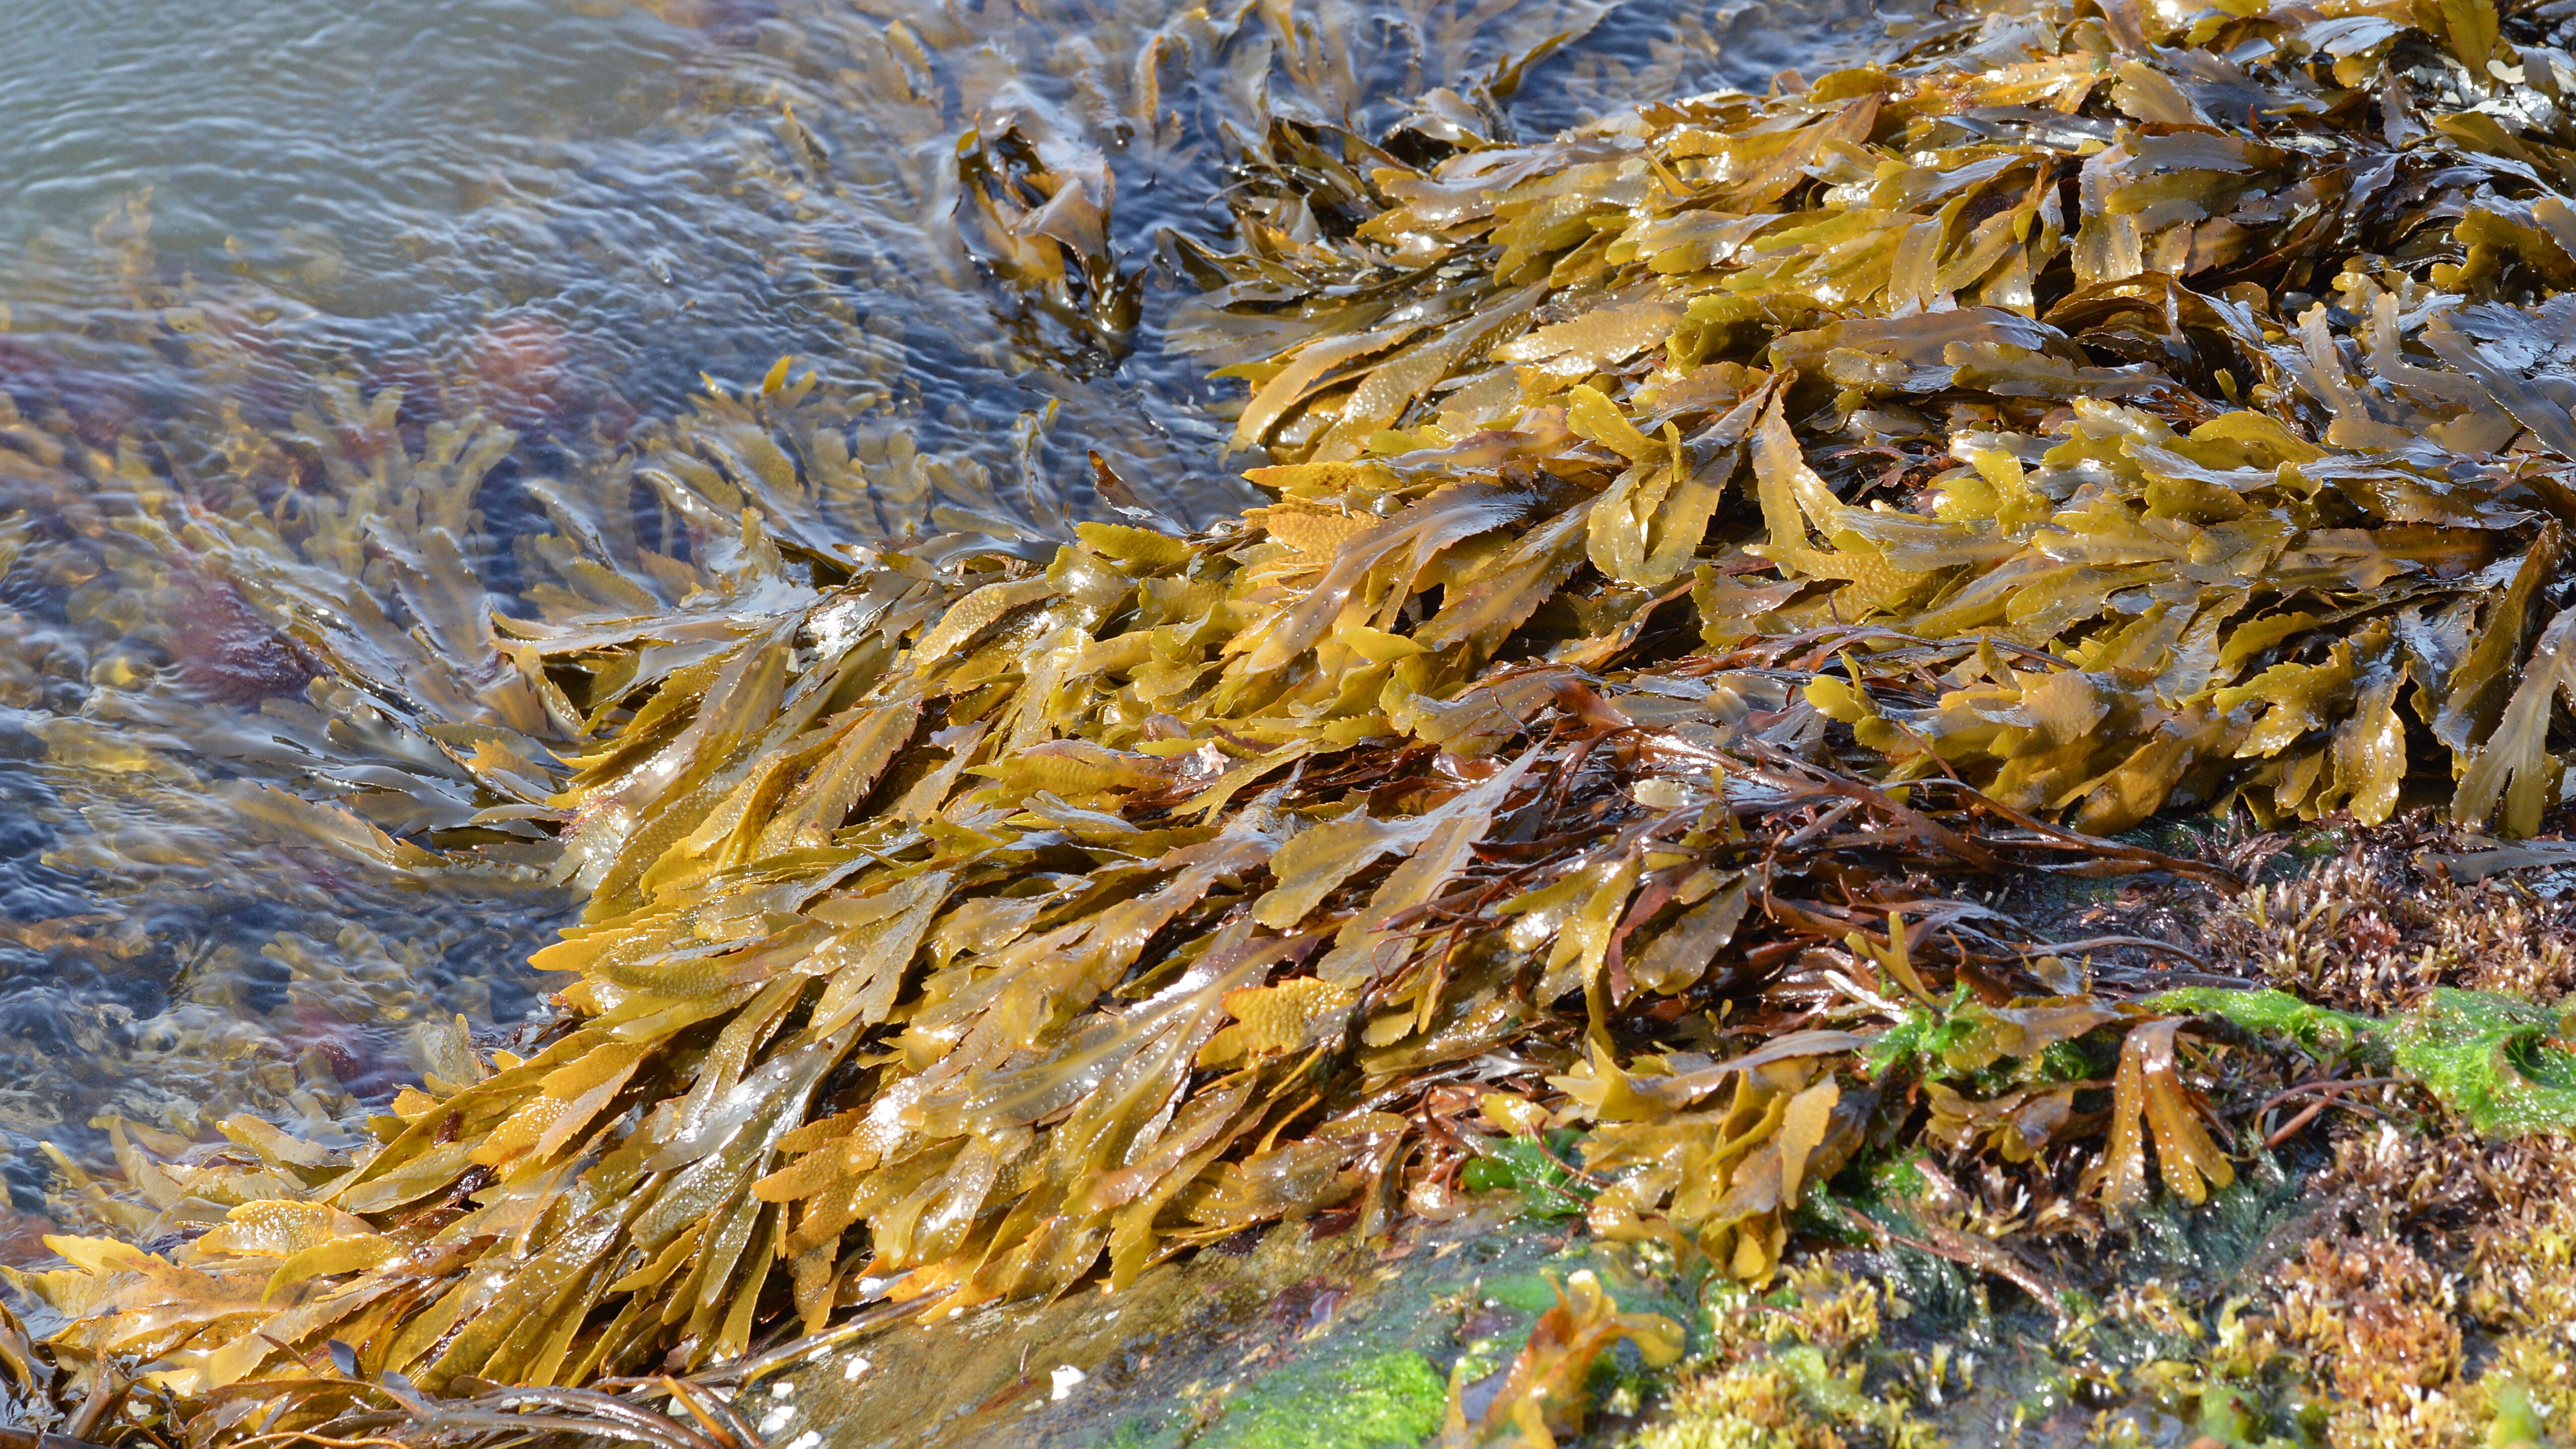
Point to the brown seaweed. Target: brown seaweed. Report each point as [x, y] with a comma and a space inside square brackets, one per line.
[1701, 545]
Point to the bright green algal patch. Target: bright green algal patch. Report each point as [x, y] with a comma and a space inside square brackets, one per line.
[1923, 1033]
[2276, 1013]
[1386, 1400]
[2492, 1058]
[1527, 1166]
[1531, 1293]
[1898, 1177]
[1824, 1390]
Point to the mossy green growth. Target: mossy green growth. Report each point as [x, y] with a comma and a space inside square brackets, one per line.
[2320, 1029]
[1898, 1178]
[1531, 1293]
[1133, 1434]
[1836, 1395]
[2492, 1058]
[1924, 1032]
[1376, 1402]
[2517, 1424]
[1535, 1171]
[1987, 1051]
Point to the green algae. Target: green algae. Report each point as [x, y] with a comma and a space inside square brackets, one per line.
[1270, 1345]
[2499, 1061]
[1529, 1292]
[1390, 1400]
[1535, 1170]
[2318, 1029]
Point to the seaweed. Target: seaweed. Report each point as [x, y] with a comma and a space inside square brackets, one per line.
[2494, 1059]
[1705, 550]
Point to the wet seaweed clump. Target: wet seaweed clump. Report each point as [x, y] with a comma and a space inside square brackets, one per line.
[1710, 553]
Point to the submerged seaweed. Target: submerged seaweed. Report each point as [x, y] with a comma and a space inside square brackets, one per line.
[1707, 549]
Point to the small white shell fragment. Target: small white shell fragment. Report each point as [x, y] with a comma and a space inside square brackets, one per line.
[1066, 1376]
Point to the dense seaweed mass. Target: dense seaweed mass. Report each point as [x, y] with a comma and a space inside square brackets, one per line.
[1711, 553]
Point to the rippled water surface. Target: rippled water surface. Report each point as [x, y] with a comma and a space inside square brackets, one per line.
[227, 234]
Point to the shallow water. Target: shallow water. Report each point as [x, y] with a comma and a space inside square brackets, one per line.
[564, 216]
